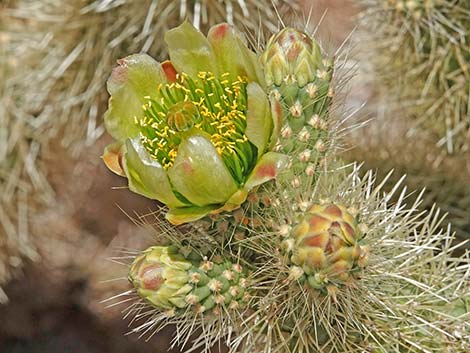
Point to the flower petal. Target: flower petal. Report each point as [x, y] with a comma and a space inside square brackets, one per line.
[199, 173]
[268, 167]
[146, 176]
[233, 55]
[169, 70]
[135, 77]
[258, 117]
[277, 116]
[189, 50]
[112, 158]
[182, 215]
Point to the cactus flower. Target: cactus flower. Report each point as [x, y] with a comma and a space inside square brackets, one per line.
[196, 132]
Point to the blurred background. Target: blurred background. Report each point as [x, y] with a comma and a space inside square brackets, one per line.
[64, 216]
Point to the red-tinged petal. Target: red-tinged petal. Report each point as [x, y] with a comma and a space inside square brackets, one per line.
[233, 55]
[267, 168]
[112, 158]
[131, 81]
[169, 70]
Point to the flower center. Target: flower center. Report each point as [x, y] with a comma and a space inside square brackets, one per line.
[207, 103]
[182, 116]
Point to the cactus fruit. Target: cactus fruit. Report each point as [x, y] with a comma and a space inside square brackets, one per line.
[169, 282]
[326, 246]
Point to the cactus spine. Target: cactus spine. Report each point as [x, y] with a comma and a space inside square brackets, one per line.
[428, 75]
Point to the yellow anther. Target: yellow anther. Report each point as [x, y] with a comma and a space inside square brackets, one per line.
[221, 116]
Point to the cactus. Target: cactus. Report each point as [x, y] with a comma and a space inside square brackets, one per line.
[300, 74]
[397, 282]
[419, 53]
[20, 175]
[330, 265]
[428, 75]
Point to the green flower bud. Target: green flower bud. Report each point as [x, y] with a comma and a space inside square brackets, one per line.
[167, 280]
[160, 276]
[292, 57]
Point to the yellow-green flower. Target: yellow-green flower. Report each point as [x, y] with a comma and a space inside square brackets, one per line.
[195, 132]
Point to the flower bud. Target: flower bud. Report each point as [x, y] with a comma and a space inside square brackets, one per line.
[292, 54]
[160, 276]
[327, 245]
